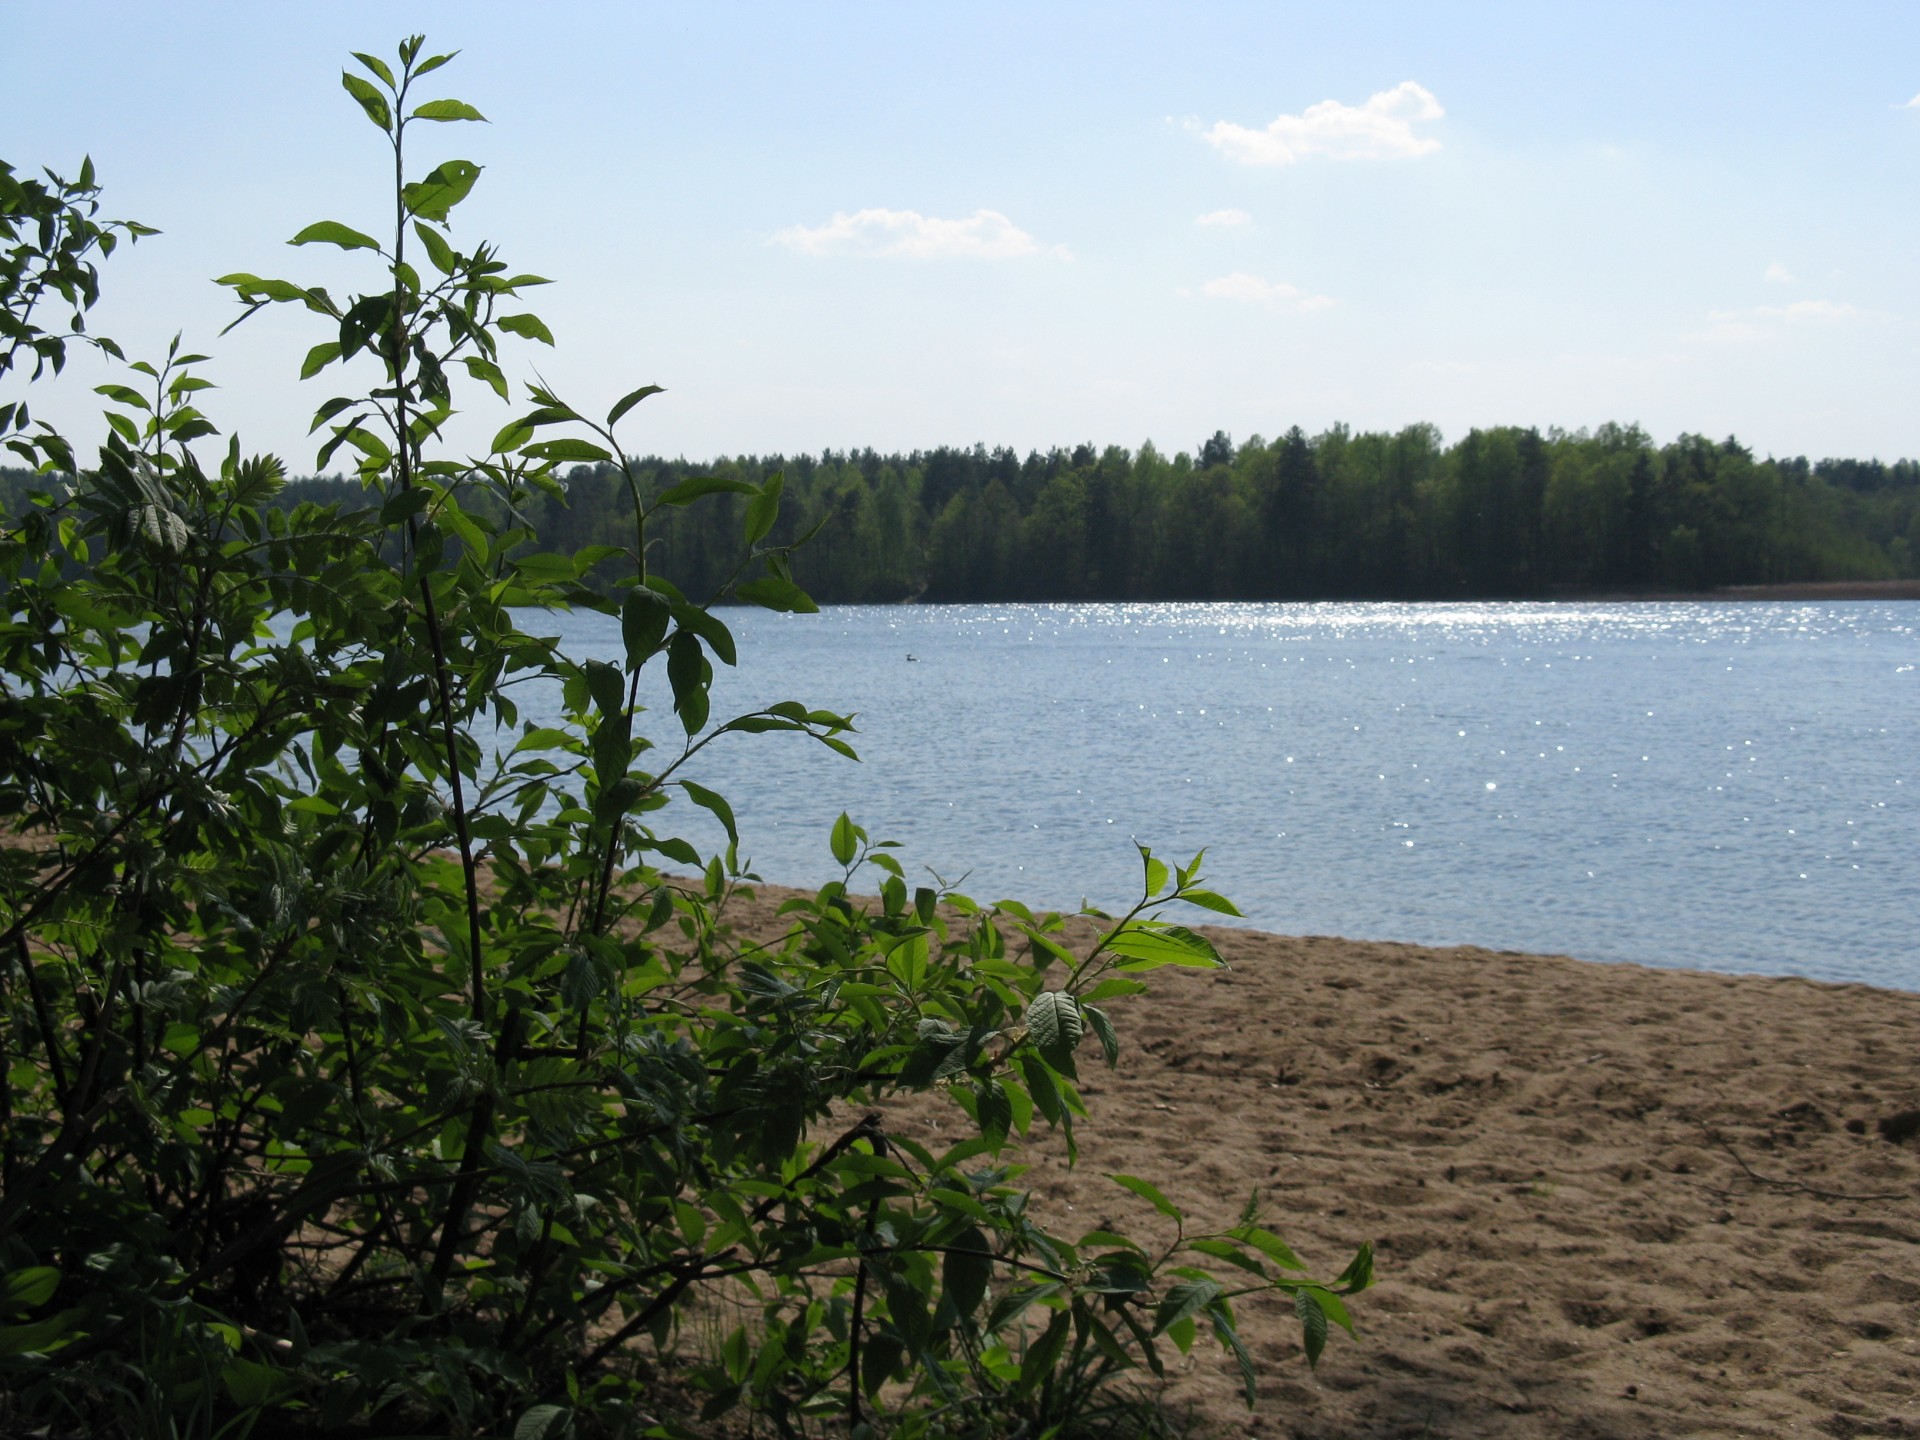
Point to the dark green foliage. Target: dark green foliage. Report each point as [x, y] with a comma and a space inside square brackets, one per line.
[360, 1068]
[1504, 512]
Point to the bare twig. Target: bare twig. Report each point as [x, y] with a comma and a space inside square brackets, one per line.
[1759, 1179]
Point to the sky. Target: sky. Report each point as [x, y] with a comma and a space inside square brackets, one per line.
[1037, 224]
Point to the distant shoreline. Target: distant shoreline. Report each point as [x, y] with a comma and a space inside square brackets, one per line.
[1792, 590]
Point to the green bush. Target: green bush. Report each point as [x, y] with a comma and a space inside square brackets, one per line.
[364, 1070]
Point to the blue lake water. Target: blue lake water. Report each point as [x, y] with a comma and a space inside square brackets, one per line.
[1724, 786]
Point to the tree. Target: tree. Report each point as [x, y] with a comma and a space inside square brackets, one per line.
[363, 1065]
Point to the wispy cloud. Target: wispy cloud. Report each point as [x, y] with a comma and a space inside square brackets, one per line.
[1223, 217]
[983, 235]
[1252, 290]
[1759, 322]
[1384, 128]
[1913, 104]
[1779, 274]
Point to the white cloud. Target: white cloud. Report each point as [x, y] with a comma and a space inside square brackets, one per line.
[1381, 129]
[1252, 290]
[1759, 322]
[1825, 311]
[983, 235]
[1779, 274]
[1913, 104]
[1223, 217]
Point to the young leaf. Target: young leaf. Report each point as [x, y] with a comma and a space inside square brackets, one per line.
[1042, 1087]
[715, 804]
[438, 250]
[1103, 1027]
[332, 232]
[1156, 870]
[1223, 1327]
[446, 110]
[687, 491]
[532, 327]
[1359, 1272]
[1208, 900]
[376, 65]
[845, 840]
[371, 100]
[764, 508]
[627, 402]
[1183, 1302]
[775, 594]
[1269, 1245]
[1149, 947]
[1148, 1193]
[318, 358]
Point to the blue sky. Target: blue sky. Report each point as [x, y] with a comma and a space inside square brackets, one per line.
[911, 225]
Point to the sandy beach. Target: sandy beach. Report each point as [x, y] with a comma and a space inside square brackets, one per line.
[1609, 1201]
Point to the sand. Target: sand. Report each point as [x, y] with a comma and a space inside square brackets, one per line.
[1609, 1201]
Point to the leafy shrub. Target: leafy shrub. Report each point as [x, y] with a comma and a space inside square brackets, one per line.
[364, 1068]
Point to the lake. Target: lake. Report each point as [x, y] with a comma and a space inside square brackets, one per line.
[1727, 786]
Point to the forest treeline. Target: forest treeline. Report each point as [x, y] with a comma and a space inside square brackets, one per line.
[1344, 514]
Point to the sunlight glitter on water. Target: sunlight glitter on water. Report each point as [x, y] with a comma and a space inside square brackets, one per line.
[1638, 781]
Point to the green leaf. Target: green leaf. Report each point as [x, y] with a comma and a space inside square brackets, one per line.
[627, 402]
[688, 673]
[376, 65]
[687, 491]
[1113, 988]
[716, 805]
[28, 1288]
[544, 1422]
[1042, 1087]
[1330, 1305]
[1156, 870]
[530, 326]
[1183, 1302]
[1149, 1193]
[1055, 1025]
[966, 1270]
[845, 840]
[644, 615]
[993, 1110]
[1044, 1354]
[438, 250]
[584, 451]
[371, 100]
[318, 358]
[1269, 1245]
[1359, 1272]
[1103, 1027]
[1232, 1254]
[1148, 947]
[764, 508]
[332, 232]
[446, 186]
[123, 395]
[1313, 1325]
[446, 110]
[1208, 900]
[772, 593]
[1223, 1327]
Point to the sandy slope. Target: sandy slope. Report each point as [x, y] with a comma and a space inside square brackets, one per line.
[1609, 1201]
